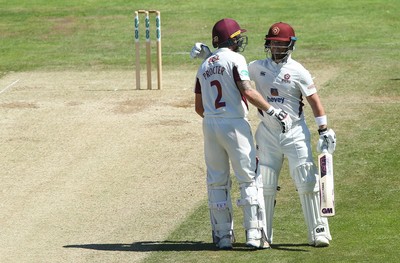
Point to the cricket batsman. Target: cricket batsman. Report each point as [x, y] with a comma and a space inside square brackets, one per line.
[222, 93]
[284, 83]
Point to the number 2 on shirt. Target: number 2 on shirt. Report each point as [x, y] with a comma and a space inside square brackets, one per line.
[218, 102]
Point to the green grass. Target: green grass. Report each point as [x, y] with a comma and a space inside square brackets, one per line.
[359, 38]
[66, 34]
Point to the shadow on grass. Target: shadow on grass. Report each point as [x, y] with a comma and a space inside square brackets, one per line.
[291, 247]
[146, 246]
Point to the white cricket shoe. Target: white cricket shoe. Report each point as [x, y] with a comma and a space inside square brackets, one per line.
[321, 242]
[258, 244]
[225, 243]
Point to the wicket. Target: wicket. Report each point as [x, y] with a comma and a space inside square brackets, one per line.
[148, 47]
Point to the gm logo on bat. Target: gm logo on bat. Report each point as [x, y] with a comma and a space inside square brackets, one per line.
[327, 210]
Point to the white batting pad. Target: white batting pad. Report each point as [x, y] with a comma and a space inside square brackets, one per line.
[308, 189]
[252, 204]
[220, 205]
[270, 184]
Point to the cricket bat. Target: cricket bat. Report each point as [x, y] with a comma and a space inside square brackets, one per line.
[327, 195]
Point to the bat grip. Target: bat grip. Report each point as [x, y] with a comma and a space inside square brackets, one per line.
[324, 149]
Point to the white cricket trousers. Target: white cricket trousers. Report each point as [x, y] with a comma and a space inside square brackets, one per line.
[224, 140]
[273, 145]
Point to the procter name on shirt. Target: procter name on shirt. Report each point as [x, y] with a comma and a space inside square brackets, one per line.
[213, 70]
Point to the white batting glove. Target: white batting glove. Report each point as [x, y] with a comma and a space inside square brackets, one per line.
[327, 140]
[282, 117]
[200, 50]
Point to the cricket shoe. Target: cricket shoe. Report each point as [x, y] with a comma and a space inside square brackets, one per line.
[321, 242]
[225, 243]
[258, 244]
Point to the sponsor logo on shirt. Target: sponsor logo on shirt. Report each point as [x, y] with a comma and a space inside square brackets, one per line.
[213, 59]
[277, 100]
[274, 92]
[286, 78]
[244, 72]
[311, 86]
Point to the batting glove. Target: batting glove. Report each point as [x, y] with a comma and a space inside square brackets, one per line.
[200, 50]
[327, 140]
[282, 117]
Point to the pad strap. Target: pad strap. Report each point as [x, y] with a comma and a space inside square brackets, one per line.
[247, 201]
[218, 205]
[222, 227]
[253, 225]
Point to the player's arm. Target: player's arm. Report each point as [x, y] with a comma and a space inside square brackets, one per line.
[318, 109]
[255, 98]
[327, 137]
[252, 95]
[198, 100]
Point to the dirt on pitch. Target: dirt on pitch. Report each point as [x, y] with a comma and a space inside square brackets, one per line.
[91, 167]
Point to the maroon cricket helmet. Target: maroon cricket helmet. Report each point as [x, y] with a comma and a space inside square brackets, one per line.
[224, 31]
[281, 32]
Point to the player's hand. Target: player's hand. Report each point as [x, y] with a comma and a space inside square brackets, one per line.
[200, 50]
[327, 140]
[282, 117]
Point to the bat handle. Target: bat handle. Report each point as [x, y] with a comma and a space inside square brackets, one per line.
[324, 149]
